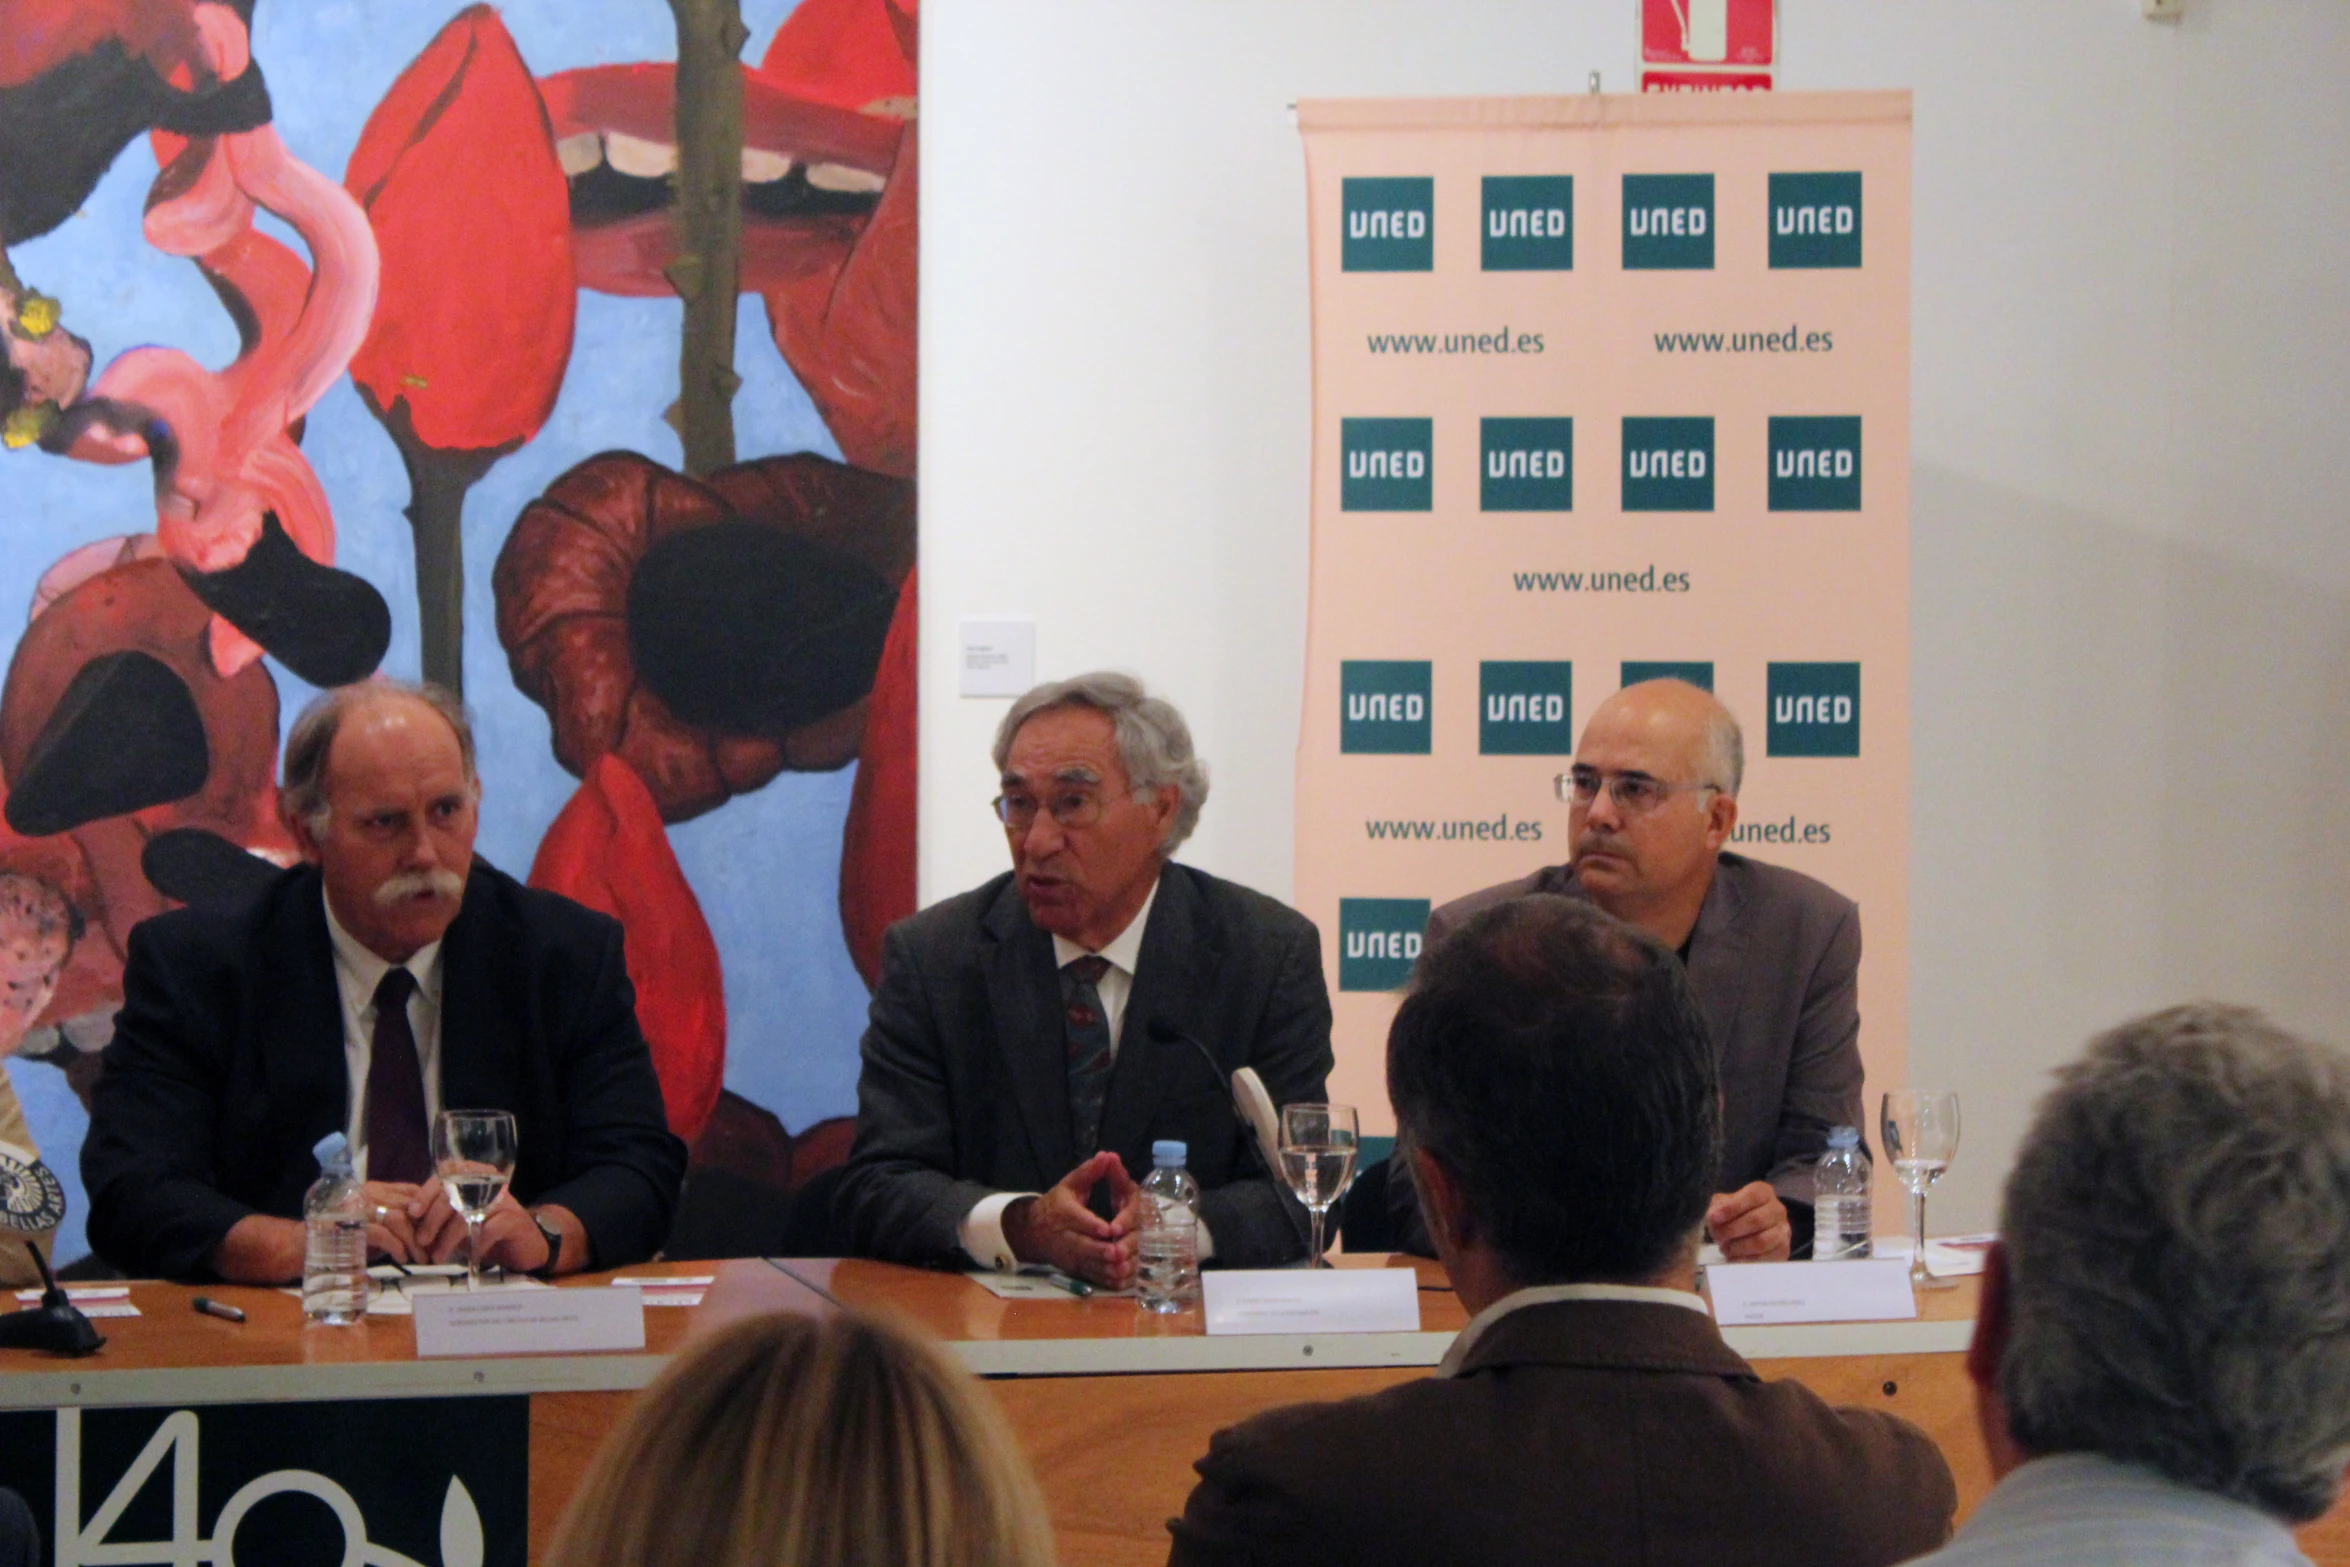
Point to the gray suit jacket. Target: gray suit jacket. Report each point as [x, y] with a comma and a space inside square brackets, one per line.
[1775, 965]
[1575, 1432]
[965, 1086]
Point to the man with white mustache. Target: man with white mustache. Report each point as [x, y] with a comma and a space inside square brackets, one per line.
[445, 983]
[1773, 956]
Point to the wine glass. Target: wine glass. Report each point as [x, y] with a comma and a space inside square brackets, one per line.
[473, 1152]
[1318, 1160]
[1921, 1136]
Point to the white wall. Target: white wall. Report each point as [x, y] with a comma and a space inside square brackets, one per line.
[2131, 589]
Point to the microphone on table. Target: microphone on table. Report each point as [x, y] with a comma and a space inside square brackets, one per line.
[1254, 1108]
[56, 1324]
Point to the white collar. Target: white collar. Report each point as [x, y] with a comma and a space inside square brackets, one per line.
[366, 968]
[1546, 1294]
[1124, 950]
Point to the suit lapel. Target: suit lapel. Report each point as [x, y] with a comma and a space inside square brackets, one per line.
[1717, 958]
[1024, 1004]
[477, 1050]
[302, 1028]
[1179, 959]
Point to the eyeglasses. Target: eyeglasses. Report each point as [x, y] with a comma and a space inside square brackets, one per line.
[1069, 808]
[1635, 794]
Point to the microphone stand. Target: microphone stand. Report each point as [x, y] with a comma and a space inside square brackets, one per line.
[56, 1324]
[1167, 1033]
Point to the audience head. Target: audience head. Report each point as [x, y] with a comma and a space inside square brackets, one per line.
[2173, 1283]
[794, 1442]
[1657, 774]
[1550, 1061]
[1099, 786]
[380, 793]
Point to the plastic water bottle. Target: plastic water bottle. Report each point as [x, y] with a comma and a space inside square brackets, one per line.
[1169, 1272]
[334, 1252]
[1840, 1210]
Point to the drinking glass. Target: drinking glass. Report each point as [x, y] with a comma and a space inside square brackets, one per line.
[1318, 1160]
[1921, 1136]
[473, 1152]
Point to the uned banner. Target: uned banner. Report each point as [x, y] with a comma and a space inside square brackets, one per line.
[1605, 389]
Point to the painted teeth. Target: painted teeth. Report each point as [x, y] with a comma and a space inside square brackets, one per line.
[761, 167]
[578, 154]
[843, 179]
[643, 160]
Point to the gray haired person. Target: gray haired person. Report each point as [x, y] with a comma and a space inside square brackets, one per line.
[1030, 1039]
[2162, 1360]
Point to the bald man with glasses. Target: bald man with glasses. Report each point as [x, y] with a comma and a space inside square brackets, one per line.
[1773, 956]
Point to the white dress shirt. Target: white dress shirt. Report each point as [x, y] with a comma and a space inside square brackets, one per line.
[982, 1230]
[2087, 1510]
[1545, 1294]
[357, 972]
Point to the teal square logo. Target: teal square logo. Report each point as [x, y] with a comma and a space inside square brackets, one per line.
[1814, 710]
[1815, 220]
[1379, 941]
[1390, 225]
[1525, 709]
[1526, 465]
[1668, 222]
[1815, 464]
[1700, 675]
[1668, 465]
[1529, 223]
[1384, 707]
[1386, 464]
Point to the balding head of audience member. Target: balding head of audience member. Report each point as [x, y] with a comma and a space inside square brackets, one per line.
[1556, 1084]
[2172, 1285]
[789, 1441]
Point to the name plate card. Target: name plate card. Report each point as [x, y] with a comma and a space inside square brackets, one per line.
[1312, 1300]
[1752, 1294]
[528, 1322]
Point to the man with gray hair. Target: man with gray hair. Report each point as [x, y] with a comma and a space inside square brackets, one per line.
[2162, 1355]
[391, 974]
[1030, 1039]
[1772, 954]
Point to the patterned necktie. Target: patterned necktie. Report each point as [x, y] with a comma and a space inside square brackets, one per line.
[1089, 1048]
[397, 1148]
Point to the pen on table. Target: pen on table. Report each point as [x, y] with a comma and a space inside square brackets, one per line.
[1076, 1287]
[209, 1307]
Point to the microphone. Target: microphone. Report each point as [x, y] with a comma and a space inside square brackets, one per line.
[1253, 1106]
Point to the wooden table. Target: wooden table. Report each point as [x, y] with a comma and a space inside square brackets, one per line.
[1110, 1403]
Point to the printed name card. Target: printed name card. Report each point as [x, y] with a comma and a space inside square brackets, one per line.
[528, 1322]
[1751, 1294]
[1312, 1300]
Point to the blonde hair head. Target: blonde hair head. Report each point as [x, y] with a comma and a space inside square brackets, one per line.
[796, 1442]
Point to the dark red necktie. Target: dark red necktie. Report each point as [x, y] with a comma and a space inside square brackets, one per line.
[397, 1146]
[1089, 1047]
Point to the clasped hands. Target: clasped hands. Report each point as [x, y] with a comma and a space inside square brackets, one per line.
[418, 1223]
[1058, 1229]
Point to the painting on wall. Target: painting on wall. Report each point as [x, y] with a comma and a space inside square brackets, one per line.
[559, 351]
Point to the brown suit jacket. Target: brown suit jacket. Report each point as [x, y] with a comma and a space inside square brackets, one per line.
[1601, 1432]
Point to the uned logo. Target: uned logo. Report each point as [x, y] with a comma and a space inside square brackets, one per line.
[1668, 222]
[1525, 709]
[1528, 223]
[1384, 464]
[1384, 707]
[1378, 941]
[1390, 225]
[1815, 464]
[1700, 675]
[1815, 220]
[1668, 465]
[1526, 465]
[1814, 710]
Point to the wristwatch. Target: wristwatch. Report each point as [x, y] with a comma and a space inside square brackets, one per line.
[546, 1270]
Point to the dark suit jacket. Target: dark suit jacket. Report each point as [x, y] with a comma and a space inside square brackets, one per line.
[965, 1087]
[1602, 1432]
[226, 1067]
[1775, 965]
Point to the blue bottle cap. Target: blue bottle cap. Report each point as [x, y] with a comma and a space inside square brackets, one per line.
[1168, 1151]
[330, 1149]
[1844, 1137]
